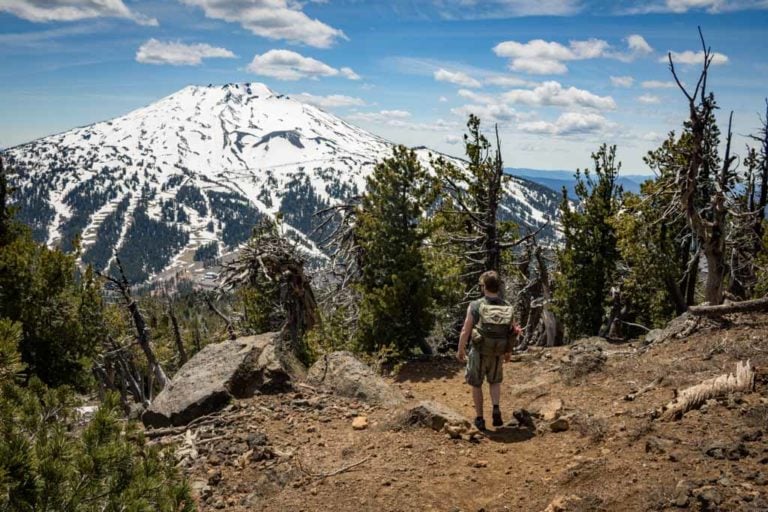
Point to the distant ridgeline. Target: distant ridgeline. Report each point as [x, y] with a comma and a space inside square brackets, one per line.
[190, 175]
[556, 180]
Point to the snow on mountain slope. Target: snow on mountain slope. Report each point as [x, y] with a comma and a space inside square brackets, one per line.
[187, 177]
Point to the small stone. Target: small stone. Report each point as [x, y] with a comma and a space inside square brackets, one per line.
[214, 476]
[256, 439]
[709, 498]
[681, 500]
[480, 464]
[360, 423]
[311, 429]
[560, 425]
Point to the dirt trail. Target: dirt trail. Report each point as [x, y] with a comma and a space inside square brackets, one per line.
[274, 452]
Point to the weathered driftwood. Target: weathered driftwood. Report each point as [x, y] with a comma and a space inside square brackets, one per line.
[747, 306]
[695, 396]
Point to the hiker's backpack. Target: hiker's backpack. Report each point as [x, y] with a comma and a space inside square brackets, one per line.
[492, 334]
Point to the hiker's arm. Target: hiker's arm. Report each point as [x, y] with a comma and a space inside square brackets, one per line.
[466, 330]
[514, 332]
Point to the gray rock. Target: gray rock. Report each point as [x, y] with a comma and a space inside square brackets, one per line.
[709, 498]
[435, 415]
[674, 329]
[345, 375]
[216, 374]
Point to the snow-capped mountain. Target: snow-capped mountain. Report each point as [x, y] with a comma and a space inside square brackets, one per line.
[186, 178]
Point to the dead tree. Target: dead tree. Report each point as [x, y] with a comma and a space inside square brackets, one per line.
[116, 370]
[540, 325]
[710, 230]
[142, 330]
[229, 325]
[176, 332]
[337, 297]
[746, 238]
[270, 257]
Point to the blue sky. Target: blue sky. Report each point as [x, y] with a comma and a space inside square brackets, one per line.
[559, 76]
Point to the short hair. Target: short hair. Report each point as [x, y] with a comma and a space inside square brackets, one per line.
[490, 281]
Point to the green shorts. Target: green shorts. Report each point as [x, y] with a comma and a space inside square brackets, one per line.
[480, 367]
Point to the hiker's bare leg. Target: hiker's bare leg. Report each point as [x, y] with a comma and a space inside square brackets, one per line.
[495, 393]
[477, 397]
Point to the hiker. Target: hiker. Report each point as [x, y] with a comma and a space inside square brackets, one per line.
[490, 325]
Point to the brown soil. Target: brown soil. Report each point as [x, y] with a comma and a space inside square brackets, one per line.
[614, 456]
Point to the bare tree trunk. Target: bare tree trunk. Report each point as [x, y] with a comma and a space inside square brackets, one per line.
[177, 334]
[142, 331]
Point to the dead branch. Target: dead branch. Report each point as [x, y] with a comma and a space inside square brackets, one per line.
[653, 385]
[747, 306]
[332, 473]
[216, 311]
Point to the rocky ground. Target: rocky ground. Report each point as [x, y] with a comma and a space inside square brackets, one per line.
[590, 443]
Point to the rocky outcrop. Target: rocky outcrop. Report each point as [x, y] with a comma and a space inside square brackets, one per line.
[345, 375]
[218, 373]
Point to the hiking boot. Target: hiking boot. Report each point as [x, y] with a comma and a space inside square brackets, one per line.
[480, 424]
[497, 421]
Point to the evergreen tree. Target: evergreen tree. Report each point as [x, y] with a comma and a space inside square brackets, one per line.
[395, 289]
[40, 290]
[468, 213]
[587, 262]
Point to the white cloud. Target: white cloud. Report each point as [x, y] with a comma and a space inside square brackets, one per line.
[652, 137]
[553, 94]
[330, 101]
[72, 10]
[456, 77]
[714, 6]
[273, 19]
[499, 9]
[484, 99]
[507, 81]
[657, 84]
[569, 123]
[539, 57]
[289, 65]
[442, 99]
[689, 57]
[348, 73]
[178, 54]
[495, 113]
[637, 44]
[452, 139]
[622, 81]
[400, 119]
[649, 99]
[389, 117]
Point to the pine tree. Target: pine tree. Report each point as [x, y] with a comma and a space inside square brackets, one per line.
[587, 262]
[468, 212]
[396, 292]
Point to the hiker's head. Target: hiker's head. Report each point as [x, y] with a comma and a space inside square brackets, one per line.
[490, 282]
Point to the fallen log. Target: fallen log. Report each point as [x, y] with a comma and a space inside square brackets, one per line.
[696, 396]
[747, 306]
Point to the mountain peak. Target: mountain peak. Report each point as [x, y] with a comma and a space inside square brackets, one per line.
[186, 178]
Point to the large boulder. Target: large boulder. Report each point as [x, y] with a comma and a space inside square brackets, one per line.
[435, 415]
[218, 373]
[345, 375]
